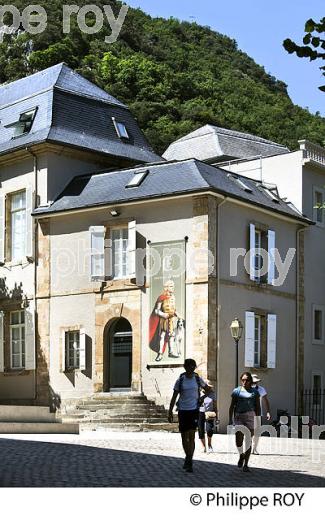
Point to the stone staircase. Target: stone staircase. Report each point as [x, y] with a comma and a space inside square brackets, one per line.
[116, 412]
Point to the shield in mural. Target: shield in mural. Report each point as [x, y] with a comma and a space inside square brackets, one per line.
[167, 303]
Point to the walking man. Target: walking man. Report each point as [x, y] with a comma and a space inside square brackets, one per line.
[188, 387]
[265, 405]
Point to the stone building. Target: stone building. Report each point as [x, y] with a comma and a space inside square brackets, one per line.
[298, 176]
[88, 210]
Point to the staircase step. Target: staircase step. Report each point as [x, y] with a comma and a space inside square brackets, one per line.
[117, 402]
[128, 427]
[42, 427]
[108, 406]
[113, 420]
[28, 414]
[117, 411]
[119, 418]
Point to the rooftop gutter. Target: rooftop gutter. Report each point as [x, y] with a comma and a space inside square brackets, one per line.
[157, 198]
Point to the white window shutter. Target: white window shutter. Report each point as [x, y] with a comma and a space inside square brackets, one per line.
[63, 351]
[82, 349]
[252, 251]
[30, 195]
[2, 227]
[132, 244]
[2, 365]
[271, 248]
[97, 248]
[30, 358]
[271, 341]
[249, 338]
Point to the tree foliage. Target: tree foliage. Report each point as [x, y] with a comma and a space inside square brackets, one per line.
[314, 44]
[175, 76]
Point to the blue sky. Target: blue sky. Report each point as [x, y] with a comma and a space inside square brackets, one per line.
[259, 28]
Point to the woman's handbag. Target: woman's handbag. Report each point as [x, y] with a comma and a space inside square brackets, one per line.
[210, 415]
[215, 425]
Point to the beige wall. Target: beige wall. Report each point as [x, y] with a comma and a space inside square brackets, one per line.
[54, 170]
[238, 294]
[62, 168]
[69, 312]
[167, 221]
[280, 381]
[17, 280]
[157, 222]
[234, 222]
[296, 178]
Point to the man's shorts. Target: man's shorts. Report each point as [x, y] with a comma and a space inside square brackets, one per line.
[188, 420]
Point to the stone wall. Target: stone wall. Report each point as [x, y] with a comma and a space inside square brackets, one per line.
[43, 313]
[111, 305]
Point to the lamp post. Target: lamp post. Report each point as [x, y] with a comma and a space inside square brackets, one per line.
[236, 329]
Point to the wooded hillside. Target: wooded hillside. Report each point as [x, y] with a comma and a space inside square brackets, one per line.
[175, 76]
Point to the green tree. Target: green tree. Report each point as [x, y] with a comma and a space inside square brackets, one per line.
[314, 44]
[175, 76]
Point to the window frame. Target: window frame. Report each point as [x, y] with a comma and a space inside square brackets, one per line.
[261, 238]
[263, 342]
[320, 308]
[20, 121]
[137, 179]
[120, 133]
[22, 353]
[317, 373]
[111, 232]
[257, 340]
[321, 191]
[10, 230]
[75, 366]
[258, 260]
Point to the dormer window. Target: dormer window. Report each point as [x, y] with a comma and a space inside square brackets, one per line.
[24, 124]
[120, 129]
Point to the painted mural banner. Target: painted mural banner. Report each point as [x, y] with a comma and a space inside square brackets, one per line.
[167, 303]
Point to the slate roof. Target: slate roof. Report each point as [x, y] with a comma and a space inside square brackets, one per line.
[164, 179]
[71, 111]
[212, 144]
[59, 76]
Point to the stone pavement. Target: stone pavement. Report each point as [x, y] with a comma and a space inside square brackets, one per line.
[155, 459]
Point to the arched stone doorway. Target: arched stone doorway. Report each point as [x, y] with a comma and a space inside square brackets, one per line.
[118, 356]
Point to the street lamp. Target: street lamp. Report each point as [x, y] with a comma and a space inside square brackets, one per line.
[236, 329]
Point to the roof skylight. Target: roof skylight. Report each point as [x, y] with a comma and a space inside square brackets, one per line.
[240, 183]
[137, 179]
[24, 124]
[270, 193]
[121, 129]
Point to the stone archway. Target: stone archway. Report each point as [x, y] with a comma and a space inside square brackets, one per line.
[117, 358]
[109, 311]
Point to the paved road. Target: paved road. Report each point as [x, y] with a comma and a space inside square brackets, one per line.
[113, 459]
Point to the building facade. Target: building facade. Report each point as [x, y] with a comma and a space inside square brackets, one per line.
[117, 264]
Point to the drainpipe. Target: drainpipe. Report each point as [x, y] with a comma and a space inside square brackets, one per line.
[218, 295]
[297, 400]
[34, 256]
